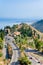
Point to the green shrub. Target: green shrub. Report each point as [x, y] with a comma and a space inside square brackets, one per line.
[24, 61]
[1, 43]
[1, 54]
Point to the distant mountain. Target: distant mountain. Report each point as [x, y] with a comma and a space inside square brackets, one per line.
[38, 25]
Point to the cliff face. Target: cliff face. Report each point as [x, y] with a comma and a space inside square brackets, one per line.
[38, 25]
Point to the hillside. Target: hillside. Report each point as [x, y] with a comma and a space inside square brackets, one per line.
[38, 25]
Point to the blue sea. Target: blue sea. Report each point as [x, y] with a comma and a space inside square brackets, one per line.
[6, 22]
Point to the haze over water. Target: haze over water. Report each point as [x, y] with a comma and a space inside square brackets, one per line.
[7, 22]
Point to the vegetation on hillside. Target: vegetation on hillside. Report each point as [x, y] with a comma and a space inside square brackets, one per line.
[38, 44]
[1, 34]
[24, 61]
[1, 43]
[27, 38]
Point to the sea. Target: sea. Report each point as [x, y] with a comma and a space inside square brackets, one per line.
[10, 22]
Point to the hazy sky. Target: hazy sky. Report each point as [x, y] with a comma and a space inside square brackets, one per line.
[21, 8]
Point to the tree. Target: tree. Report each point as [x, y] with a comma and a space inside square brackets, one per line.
[7, 27]
[42, 46]
[38, 36]
[1, 34]
[1, 43]
[34, 32]
[14, 28]
[25, 30]
[24, 61]
[38, 44]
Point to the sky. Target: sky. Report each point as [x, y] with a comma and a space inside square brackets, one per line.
[21, 9]
[25, 9]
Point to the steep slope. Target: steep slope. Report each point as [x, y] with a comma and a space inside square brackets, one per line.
[38, 25]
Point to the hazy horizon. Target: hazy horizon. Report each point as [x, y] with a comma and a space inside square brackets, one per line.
[11, 21]
[27, 10]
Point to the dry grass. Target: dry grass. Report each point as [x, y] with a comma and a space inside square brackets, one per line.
[1, 59]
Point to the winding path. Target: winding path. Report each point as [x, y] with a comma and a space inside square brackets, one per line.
[14, 60]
